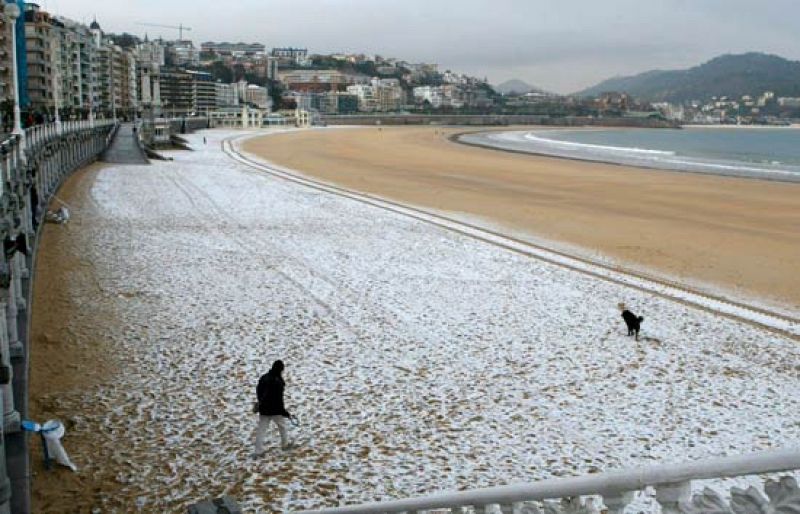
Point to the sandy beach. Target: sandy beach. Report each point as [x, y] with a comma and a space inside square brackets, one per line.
[738, 235]
[176, 284]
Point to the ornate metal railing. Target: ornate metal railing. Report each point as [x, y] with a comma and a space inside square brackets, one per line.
[32, 166]
[612, 492]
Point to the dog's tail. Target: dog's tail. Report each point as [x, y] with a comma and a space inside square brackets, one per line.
[641, 318]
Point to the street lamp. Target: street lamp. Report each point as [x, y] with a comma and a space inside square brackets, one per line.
[57, 97]
[13, 12]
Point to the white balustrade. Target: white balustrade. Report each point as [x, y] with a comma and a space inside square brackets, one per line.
[615, 490]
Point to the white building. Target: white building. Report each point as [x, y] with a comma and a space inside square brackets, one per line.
[258, 96]
[237, 117]
[367, 101]
[429, 94]
[297, 56]
[382, 95]
[227, 95]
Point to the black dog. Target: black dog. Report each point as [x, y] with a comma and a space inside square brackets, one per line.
[633, 322]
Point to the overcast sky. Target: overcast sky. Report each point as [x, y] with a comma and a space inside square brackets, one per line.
[560, 45]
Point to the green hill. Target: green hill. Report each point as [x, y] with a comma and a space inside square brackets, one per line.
[728, 75]
[516, 86]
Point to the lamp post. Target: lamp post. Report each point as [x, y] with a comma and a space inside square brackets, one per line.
[57, 98]
[13, 12]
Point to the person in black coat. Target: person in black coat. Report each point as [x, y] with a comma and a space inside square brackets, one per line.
[270, 406]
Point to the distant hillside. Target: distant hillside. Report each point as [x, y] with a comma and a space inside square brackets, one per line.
[728, 75]
[516, 86]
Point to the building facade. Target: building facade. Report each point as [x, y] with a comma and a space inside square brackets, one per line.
[204, 92]
[39, 44]
[176, 89]
[233, 49]
[258, 96]
[6, 79]
[182, 53]
[227, 95]
[289, 55]
[319, 81]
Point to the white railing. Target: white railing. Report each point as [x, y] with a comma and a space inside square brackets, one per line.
[672, 484]
[39, 134]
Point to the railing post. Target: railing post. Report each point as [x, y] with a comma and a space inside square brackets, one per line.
[14, 346]
[507, 508]
[5, 483]
[11, 418]
[616, 502]
[22, 268]
[670, 496]
[4, 169]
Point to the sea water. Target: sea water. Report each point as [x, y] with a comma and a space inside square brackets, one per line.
[768, 153]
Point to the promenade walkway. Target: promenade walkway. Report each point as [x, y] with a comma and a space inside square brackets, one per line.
[124, 149]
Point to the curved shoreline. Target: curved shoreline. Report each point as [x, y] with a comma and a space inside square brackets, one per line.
[767, 175]
[708, 230]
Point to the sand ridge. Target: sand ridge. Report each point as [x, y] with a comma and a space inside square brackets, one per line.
[738, 234]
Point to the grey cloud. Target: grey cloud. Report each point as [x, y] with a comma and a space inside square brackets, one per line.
[565, 44]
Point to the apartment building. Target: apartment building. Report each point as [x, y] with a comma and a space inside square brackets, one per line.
[76, 69]
[264, 66]
[39, 42]
[319, 81]
[384, 95]
[204, 92]
[233, 49]
[182, 53]
[6, 80]
[389, 95]
[150, 58]
[227, 95]
[432, 95]
[258, 96]
[289, 55]
[177, 92]
[336, 103]
[365, 94]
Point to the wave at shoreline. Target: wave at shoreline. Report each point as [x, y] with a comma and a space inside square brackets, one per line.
[537, 144]
[531, 136]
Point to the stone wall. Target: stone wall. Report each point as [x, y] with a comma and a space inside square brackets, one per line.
[33, 167]
[492, 120]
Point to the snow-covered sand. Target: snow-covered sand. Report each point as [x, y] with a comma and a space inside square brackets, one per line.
[417, 359]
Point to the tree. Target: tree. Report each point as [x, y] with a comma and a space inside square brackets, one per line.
[220, 71]
[276, 91]
[366, 68]
[125, 40]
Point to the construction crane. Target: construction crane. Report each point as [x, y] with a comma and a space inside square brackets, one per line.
[180, 28]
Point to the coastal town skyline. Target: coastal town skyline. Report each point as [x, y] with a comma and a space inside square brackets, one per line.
[571, 47]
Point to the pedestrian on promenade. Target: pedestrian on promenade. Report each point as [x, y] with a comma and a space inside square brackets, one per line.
[270, 407]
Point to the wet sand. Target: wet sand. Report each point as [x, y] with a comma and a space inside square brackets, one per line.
[739, 235]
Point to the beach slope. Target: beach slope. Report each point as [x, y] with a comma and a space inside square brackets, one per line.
[738, 235]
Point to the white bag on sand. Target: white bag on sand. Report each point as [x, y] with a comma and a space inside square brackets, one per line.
[53, 431]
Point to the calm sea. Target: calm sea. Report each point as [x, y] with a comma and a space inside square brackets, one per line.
[769, 153]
